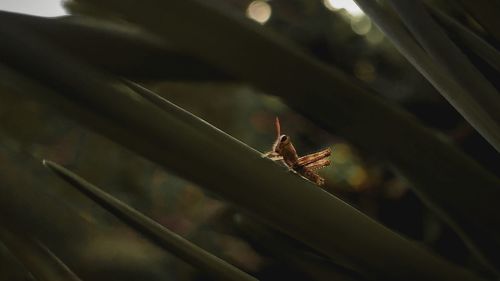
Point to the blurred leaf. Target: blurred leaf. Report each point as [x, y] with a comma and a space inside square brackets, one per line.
[35, 202]
[38, 259]
[478, 101]
[118, 48]
[475, 43]
[287, 250]
[484, 238]
[10, 268]
[223, 165]
[25, 203]
[155, 232]
[486, 13]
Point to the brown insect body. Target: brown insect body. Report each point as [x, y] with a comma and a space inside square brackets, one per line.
[284, 147]
[283, 150]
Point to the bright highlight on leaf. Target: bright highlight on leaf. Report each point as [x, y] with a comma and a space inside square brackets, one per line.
[348, 5]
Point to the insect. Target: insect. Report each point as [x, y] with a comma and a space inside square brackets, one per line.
[306, 166]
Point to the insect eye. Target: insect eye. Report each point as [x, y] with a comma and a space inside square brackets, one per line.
[284, 138]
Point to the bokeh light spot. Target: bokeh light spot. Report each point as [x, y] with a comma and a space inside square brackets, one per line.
[365, 71]
[357, 176]
[361, 25]
[259, 11]
[375, 36]
[342, 153]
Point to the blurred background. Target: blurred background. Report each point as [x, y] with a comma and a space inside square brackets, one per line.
[100, 247]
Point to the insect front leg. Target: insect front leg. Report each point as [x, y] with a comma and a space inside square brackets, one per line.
[273, 156]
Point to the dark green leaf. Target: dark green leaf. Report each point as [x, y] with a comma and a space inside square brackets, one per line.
[486, 13]
[475, 43]
[478, 101]
[155, 232]
[37, 258]
[231, 169]
[120, 49]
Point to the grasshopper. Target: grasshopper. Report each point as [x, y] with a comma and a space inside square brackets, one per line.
[306, 166]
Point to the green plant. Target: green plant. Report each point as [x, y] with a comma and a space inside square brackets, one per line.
[40, 59]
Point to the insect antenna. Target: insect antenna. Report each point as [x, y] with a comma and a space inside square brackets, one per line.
[278, 127]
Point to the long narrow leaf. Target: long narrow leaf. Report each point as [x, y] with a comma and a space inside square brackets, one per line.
[36, 202]
[474, 232]
[155, 232]
[481, 101]
[25, 203]
[37, 259]
[488, 53]
[486, 13]
[190, 119]
[233, 171]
